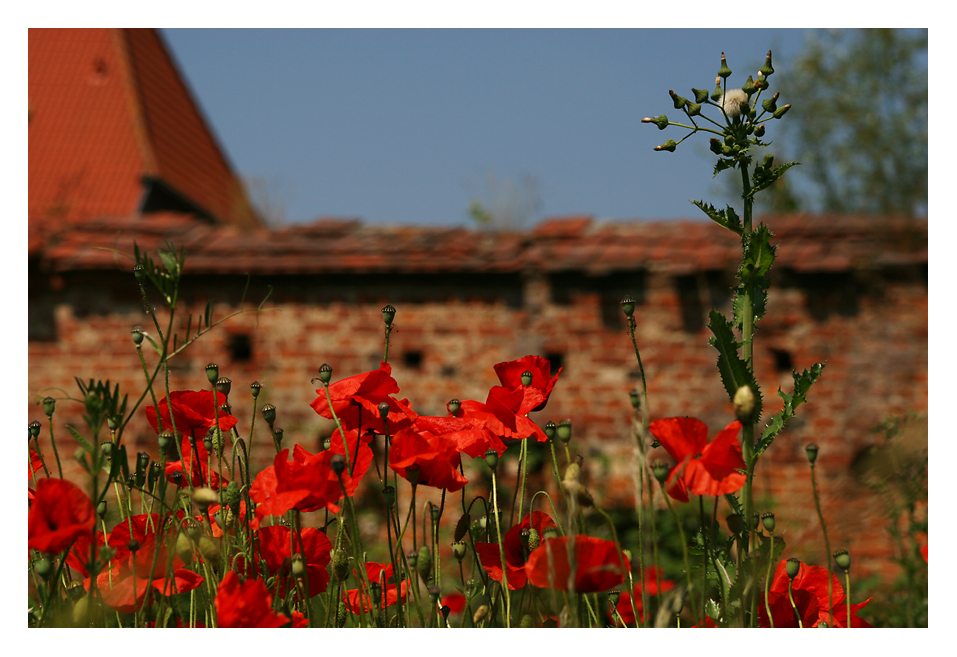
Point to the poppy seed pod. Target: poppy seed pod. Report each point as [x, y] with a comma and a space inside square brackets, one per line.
[491, 459]
[412, 473]
[564, 431]
[628, 305]
[459, 549]
[224, 384]
[269, 414]
[325, 373]
[107, 448]
[793, 567]
[735, 523]
[526, 378]
[434, 593]
[156, 473]
[133, 545]
[101, 509]
[298, 567]
[660, 469]
[383, 410]
[338, 464]
[412, 558]
[212, 372]
[768, 520]
[388, 314]
[550, 430]
[454, 406]
[49, 406]
[277, 435]
[326, 444]
[842, 559]
[613, 596]
[139, 272]
[113, 422]
[43, 568]
[744, 404]
[137, 335]
[164, 440]
[254, 388]
[811, 450]
[225, 409]
[340, 564]
[35, 429]
[208, 444]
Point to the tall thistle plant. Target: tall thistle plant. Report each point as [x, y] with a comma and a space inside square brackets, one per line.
[742, 119]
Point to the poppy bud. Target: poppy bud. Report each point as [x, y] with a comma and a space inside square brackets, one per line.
[131, 481]
[208, 444]
[107, 448]
[43, 568]
[388, 314]
[669, 146]
[724, 71]
[325, 373]
[212, 372]
[208, 550]
[224, 385]
[205, 497]
[133, 545]
[113, 422]
[735, 523]
[661, 470]
[628, 305]
[459, 549]
[811, 450]
[101, 509]
[269, 414]
[298, 567]
[434, 593]
[184, 548]
[767, 70]
[534, 540]
[613, 596]
[454, 406]
[550, 430]
[412, 473]
[768, 520]
[277, 436]
[481, 610]
[793, 567]
[677, 100]
[700, 95]
[526, 622]
[526, 378]
[491, 458]
[781, 111]
[340, 564]
[412, 557]
[744, 404]
[633, 395]
[842, 559]
[137, 334]
[462, 527]
[49, 406]
[383, 410]
[565, 431]
[254, 388]
[823, 624]
[35, 428]
[551, 532]
[156, 472]
[573, 474]
[164, 439]
[338, 464]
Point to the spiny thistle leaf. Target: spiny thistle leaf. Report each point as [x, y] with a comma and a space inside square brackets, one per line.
[726, 218]
[765, 177]
[735, 504]
[721, 166]
[802, 383]
[734, 372]
[758, 255]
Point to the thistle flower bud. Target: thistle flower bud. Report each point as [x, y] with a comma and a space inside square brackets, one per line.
[526, 378]
[340, 564]
[781, 111]
[224, 385]
[759, 131]
[491, 459]
[724, 71]
[459, 549]
[388, 314]
[269, 414]
[793, 567]
[767, 519]
[564, 431]
[254, 388]
[693, 109]
[137, 335]
[716, 146]
[454, 406]
[660, 121]
[700, 95]
[550, 430]
[718, 92]
[679, 101]
[661, 470]
[843, 560]
[212, 372]
[49, 406]
[338, 464]
[35, 429]
[744, 404]
[767, 70]
[669, 146]
[811, 450]
[748, 87]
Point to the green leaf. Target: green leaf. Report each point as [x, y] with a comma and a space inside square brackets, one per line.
[735, 504]
[726, 218]
[802, 384]
[764, 177]
[758, 255]
[721, 166]
[734, 372]
[84, 443]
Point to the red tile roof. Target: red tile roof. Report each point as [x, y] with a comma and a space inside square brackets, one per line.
[108, 108]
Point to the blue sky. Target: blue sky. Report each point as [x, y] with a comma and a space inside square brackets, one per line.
[409, 126]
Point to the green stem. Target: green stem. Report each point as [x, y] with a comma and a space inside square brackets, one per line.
[53, 442]
[501, 552]
[847, 592]
[827, 546]
[794, 606]
[767, 582]
[684, 553]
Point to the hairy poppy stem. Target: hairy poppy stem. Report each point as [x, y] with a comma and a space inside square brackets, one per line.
[794, 606]
[684, 553]
[501, 552]
[767, 582]
[827, 546]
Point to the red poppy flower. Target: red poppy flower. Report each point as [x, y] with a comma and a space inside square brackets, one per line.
[245, 604]
[60, 514]
[515, 550]
[510, 374]
[651, 584]
[306, 483]
[708, 622]
[202, 474]
[360, 453]
[356, 401]
[809, 590]
[194, 412]
[467, 431]
[79, 555]
[598, 565]
[127, 594]
[923, 553]
[358, 600]
[703, 468]
[436, 458]
[455, 601]
[277, 544]
[35, 463]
